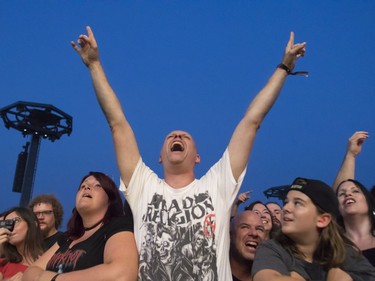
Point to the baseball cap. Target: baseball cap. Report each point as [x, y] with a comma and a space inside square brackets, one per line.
[320, 193]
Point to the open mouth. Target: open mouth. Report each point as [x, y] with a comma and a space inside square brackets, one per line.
[86, 195]
[177, 146]
[349, 201]
[163, 255]
[251, 244]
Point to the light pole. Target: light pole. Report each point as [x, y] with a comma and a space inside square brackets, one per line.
[277, 192]
[39, 121]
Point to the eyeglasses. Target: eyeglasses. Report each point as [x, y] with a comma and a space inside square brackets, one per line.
[43, 213]
[17, 220]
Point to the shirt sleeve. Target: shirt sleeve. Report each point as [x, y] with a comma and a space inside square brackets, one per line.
[268, 256]
[134, 192]
[224, 183]
[118, 225]
[358, 267]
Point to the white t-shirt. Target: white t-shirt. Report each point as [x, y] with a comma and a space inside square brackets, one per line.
[183, 234]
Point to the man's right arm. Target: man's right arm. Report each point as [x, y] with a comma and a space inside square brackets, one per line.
[126, 147]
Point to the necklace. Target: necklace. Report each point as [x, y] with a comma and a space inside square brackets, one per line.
[92, 227]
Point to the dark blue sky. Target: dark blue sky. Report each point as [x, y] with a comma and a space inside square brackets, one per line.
[191, 65]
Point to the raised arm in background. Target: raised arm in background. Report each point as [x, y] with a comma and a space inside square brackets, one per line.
[243, 137]
[241, 198]
[354, 147]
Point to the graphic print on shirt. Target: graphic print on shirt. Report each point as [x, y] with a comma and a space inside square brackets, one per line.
[178, 240]
[67, 261]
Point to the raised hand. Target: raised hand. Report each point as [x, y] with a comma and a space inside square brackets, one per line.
[243, 197]
[355, 143]
[293, 52]
[4, 235]
[354, 147]
[87, 47]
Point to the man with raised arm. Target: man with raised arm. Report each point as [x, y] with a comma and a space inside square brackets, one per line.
[173, 212]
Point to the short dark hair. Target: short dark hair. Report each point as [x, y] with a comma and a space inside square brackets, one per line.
[250, 207]
[275, 203]
[58, 211]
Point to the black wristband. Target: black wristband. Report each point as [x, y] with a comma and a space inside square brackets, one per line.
[54, 277]
[286, 68]
[289, 71]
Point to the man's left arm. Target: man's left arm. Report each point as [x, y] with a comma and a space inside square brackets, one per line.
[243, 136]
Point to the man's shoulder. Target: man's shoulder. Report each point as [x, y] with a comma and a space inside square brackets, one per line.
[235, 278]
[274, 246]
[55, 235]
[49, 241]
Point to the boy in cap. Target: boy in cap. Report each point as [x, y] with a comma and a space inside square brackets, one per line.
[310, 245]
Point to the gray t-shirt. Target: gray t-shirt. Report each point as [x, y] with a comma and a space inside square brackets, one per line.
[271, 255]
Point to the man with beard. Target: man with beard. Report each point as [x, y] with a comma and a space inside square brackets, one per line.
[246, 233]
[276, 213]
[49, 212]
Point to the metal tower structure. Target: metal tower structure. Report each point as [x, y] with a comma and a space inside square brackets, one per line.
[277, 191]
[38, 121]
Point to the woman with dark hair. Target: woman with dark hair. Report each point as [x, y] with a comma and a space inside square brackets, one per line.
[266, 217]
[99, 243]
[310, 245]
[21, 245]
[356, 203]
[357, 216]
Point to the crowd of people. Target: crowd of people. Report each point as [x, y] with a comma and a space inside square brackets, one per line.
[178, 227]
[98, 241]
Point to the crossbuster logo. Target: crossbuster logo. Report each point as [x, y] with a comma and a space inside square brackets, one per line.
[178, 239]
[209, 225]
